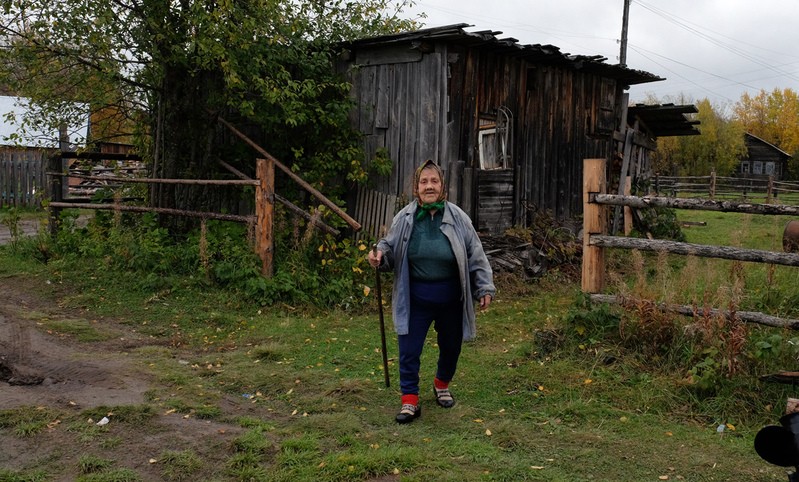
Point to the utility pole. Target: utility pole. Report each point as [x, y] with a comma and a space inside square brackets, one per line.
[625, 19]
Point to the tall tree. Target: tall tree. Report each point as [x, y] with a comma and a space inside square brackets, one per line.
[174, 66]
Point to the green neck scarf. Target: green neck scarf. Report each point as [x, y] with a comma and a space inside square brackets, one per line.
[426, 208]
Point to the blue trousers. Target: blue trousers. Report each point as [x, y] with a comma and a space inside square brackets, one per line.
[438, 302]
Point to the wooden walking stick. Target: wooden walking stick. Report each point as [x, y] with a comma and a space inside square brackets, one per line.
[382, 323]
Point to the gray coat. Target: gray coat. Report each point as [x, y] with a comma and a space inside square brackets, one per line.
[475, 272]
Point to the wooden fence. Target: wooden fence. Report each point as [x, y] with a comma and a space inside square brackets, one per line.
[720, 187]
[376, 210]
[265, 197]
[596, 240]
[22, 177]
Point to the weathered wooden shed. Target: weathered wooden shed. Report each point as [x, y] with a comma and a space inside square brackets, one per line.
[763, 159]
[510, 123]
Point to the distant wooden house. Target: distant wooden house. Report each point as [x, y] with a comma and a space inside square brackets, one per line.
[763, 160]
[510, 123]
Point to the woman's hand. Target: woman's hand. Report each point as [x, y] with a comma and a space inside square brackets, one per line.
[485, 301]
[375, 256]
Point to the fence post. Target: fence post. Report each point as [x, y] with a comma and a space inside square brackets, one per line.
[628, 211]
[55, 166]
[594, 222]
[264, 212]
[770, 190]
[713, 185]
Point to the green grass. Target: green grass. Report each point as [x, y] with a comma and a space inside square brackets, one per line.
[551, 390]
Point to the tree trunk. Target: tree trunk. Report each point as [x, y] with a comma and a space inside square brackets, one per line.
[185, 144]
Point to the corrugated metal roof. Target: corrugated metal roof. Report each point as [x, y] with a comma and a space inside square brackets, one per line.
[488, 39]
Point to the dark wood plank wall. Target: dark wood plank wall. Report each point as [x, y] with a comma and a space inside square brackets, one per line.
[401, 106]
[429, 105]
[560, 117]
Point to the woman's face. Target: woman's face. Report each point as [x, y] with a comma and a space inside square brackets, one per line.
[429, 186]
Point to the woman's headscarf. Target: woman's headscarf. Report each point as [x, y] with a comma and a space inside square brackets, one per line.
[429, 164]
[439, 203]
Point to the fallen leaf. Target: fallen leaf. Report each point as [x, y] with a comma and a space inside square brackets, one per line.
[537, 467]
[488, 432]
[152, 461]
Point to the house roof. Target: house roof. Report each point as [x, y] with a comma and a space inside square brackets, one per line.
[664, 120]
[489, 39]
[748, 135]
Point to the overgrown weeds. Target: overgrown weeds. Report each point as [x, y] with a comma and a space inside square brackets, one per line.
[311, 269]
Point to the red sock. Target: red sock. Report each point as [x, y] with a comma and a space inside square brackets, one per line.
[410, 399]
[439, 384]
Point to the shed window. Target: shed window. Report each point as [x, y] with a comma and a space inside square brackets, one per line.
[745, 167]
[487, 141]
[757, 167]
[494, 140]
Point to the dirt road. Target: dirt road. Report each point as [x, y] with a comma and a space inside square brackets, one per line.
[27, 227]
[47, 370]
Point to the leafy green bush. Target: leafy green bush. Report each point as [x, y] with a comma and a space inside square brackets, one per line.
[661, 223]
[315, 270]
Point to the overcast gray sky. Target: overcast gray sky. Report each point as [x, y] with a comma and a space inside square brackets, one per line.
[715, 49]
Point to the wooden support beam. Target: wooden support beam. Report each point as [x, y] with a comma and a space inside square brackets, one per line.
[285, 202]
[355, 225]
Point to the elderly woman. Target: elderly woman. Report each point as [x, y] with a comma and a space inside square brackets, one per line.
[439, 269]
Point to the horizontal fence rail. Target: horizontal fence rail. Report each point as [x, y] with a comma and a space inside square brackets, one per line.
[691, 249]
[641, 202]
[596, 239]
[727, 187]
[689, 310]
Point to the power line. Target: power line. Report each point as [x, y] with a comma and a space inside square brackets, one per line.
[689, 26]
